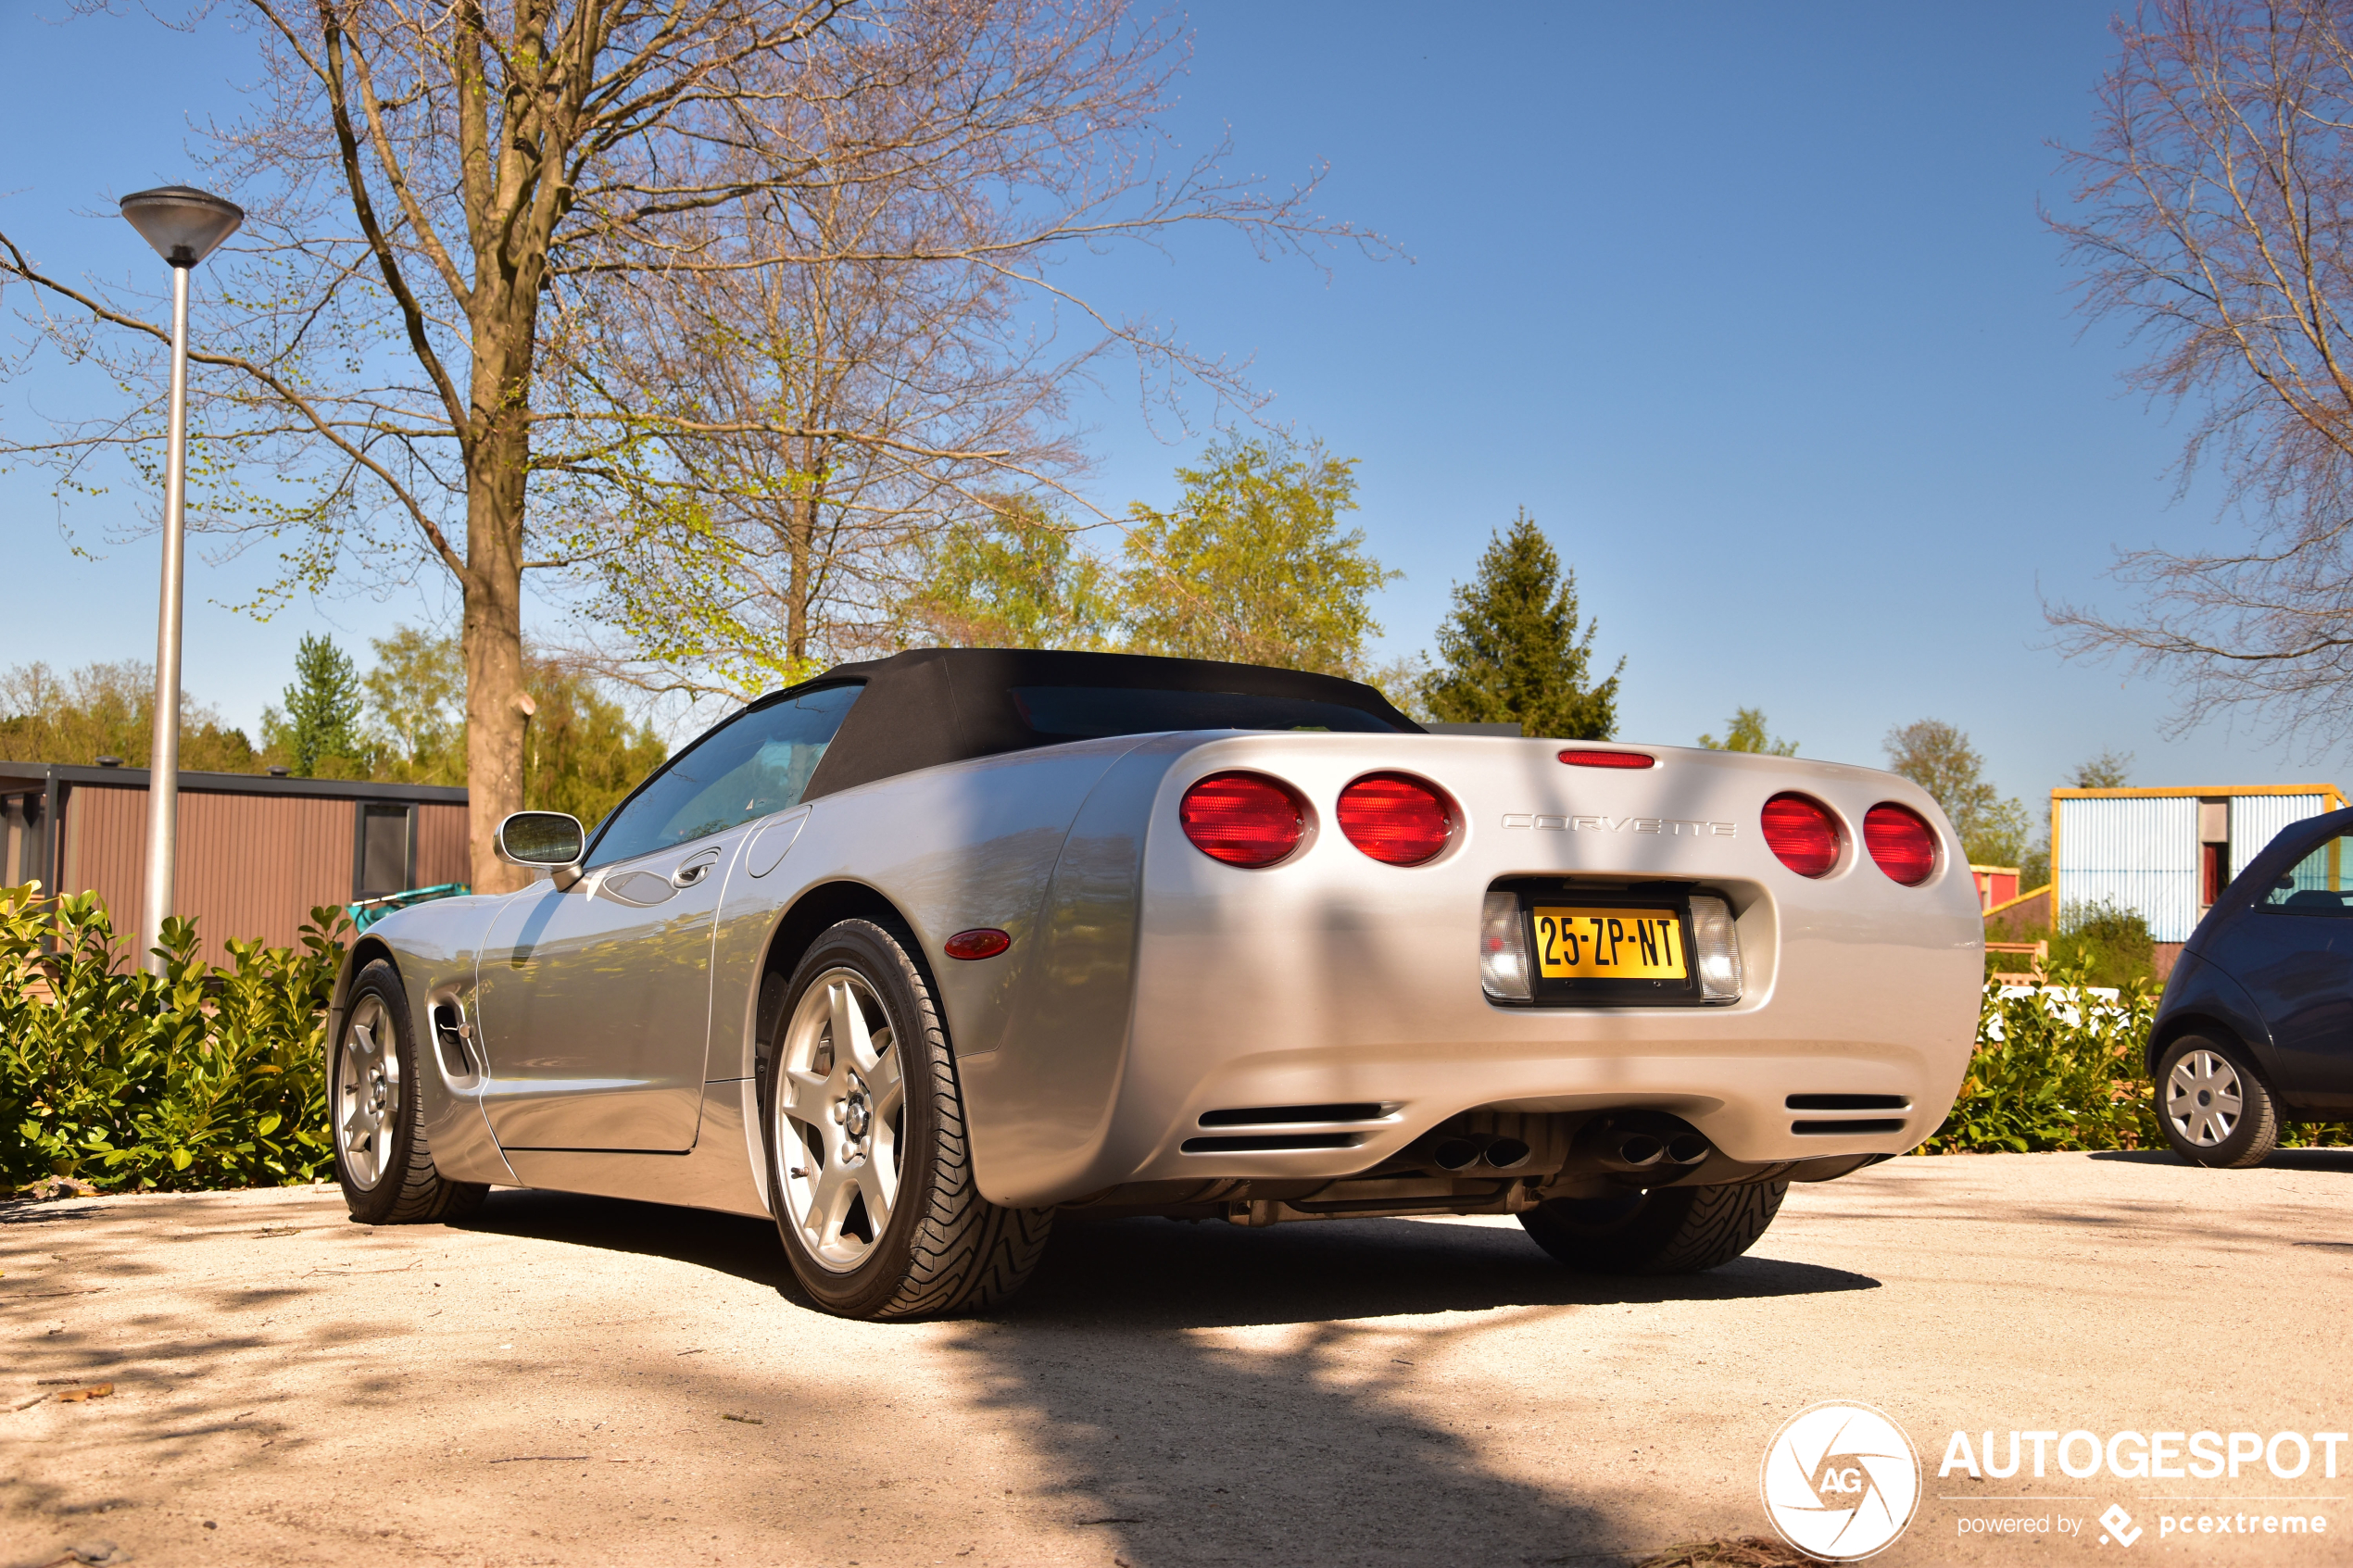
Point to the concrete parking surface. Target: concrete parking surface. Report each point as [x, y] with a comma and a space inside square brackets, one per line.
[566, 1380]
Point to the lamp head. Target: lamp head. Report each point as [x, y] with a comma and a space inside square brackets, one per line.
[184, 224]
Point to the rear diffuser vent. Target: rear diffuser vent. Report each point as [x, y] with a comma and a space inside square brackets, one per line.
[1254, 1142]
[1849, 1102]
[1283, 1115]
[1856, 1128]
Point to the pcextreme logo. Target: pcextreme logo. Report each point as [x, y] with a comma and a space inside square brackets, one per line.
[1840, 1481]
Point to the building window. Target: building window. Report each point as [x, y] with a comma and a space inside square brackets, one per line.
[2214, 871]
[385, 858]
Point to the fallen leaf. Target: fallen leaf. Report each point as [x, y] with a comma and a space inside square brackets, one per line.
[95, 1391]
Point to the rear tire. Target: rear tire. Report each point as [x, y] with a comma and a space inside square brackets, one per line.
[378, 1118]
[869, 1165]
[2215, 1106]
[1664, 1231]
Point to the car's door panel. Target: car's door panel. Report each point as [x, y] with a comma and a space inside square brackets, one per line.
[596, 1004]
[2292, 950]
[596, 1000]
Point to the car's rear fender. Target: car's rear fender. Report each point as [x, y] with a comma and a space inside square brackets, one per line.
[2202, 1000]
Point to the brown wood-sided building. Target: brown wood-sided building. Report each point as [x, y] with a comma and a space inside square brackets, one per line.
[255, 853]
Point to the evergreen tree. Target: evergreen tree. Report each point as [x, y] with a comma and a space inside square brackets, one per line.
[1512, 648]
[319, 725]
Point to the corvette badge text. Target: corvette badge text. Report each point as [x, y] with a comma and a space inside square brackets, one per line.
[1843, 1481]
[1671, 826]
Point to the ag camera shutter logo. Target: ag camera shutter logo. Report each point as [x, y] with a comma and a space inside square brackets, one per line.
[1840, 1481]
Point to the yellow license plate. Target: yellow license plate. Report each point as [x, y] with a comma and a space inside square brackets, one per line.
[1576, 944]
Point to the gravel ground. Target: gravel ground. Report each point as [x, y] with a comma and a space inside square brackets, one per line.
[566, 1380]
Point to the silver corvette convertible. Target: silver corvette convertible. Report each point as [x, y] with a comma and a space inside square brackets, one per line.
[921, 954]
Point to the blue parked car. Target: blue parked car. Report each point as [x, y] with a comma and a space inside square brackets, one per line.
[2256, 1027]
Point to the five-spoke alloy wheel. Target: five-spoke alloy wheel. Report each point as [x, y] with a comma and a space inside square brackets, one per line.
[2214, 1105]
[839, 1118]
[869, 1166]
[381, 1155]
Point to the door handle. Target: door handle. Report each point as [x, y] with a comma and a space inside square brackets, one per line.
[691, 873]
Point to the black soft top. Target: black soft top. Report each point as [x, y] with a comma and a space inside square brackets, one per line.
[930, 706]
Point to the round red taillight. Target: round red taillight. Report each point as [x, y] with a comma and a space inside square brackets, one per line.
[1244, 819]
[1395, 817]
[985, 942]
[1900, 842]
[1802, 834]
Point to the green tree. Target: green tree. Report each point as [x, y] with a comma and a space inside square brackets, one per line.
[106, 709]
[1250, 565]
[417, 707]
[319, 726]
[1940, 759]
[1747, 732]
[580, 754]
[2108, 771]
[1512, 651]
[1017, 580]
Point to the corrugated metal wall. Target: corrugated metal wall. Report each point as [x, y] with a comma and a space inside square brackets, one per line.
[441, 846]
[2255, 820]
[2135, 852]
[249, 865]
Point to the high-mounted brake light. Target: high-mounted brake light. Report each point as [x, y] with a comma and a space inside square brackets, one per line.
[1900, 842]
[1396, 818]
[1244, 819]
[1609, 758]
[1802, 834]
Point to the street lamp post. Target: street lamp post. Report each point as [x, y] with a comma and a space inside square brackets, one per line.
[184, 225]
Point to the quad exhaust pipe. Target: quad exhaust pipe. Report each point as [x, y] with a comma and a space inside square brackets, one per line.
[1638, 1143]
[1647, 1144]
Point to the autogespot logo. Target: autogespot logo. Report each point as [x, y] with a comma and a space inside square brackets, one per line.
[1840, 1481]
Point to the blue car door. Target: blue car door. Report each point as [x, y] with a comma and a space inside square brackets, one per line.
[2292, 950]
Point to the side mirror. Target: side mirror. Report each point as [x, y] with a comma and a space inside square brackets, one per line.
[544, 840]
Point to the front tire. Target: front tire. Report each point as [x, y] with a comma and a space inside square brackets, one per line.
[1664, 1231]
[382, 1158]
[869, 1165]
[2215, 1107]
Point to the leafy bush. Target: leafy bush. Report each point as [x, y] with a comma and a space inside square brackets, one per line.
[2110, 945]
[199, 1078]
[2056, 1073]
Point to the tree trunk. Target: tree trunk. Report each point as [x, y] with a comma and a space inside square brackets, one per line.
[496, 703]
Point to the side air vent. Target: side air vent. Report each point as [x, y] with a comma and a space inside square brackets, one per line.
[1256, 1143]
[1856, 1128]
[1849, 1102]
[1283, 1115]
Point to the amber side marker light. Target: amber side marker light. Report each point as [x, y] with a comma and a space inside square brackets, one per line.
[1244, 819]
[1900, 842]
[1609, 758]
[1802, 834]
[1396, 818]
[985, 942]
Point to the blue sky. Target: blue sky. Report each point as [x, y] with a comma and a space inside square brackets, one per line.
[1751, 307]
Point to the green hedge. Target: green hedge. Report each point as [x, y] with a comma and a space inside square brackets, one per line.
[199, 1078]
[2039, 1080]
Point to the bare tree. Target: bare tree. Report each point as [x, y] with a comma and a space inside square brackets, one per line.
[2212, 219]
[415, 336]
[845, 379]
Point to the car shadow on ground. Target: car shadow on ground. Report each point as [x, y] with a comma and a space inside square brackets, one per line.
[1201, 1393]
[2336, 1160]
[1163, 1273]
